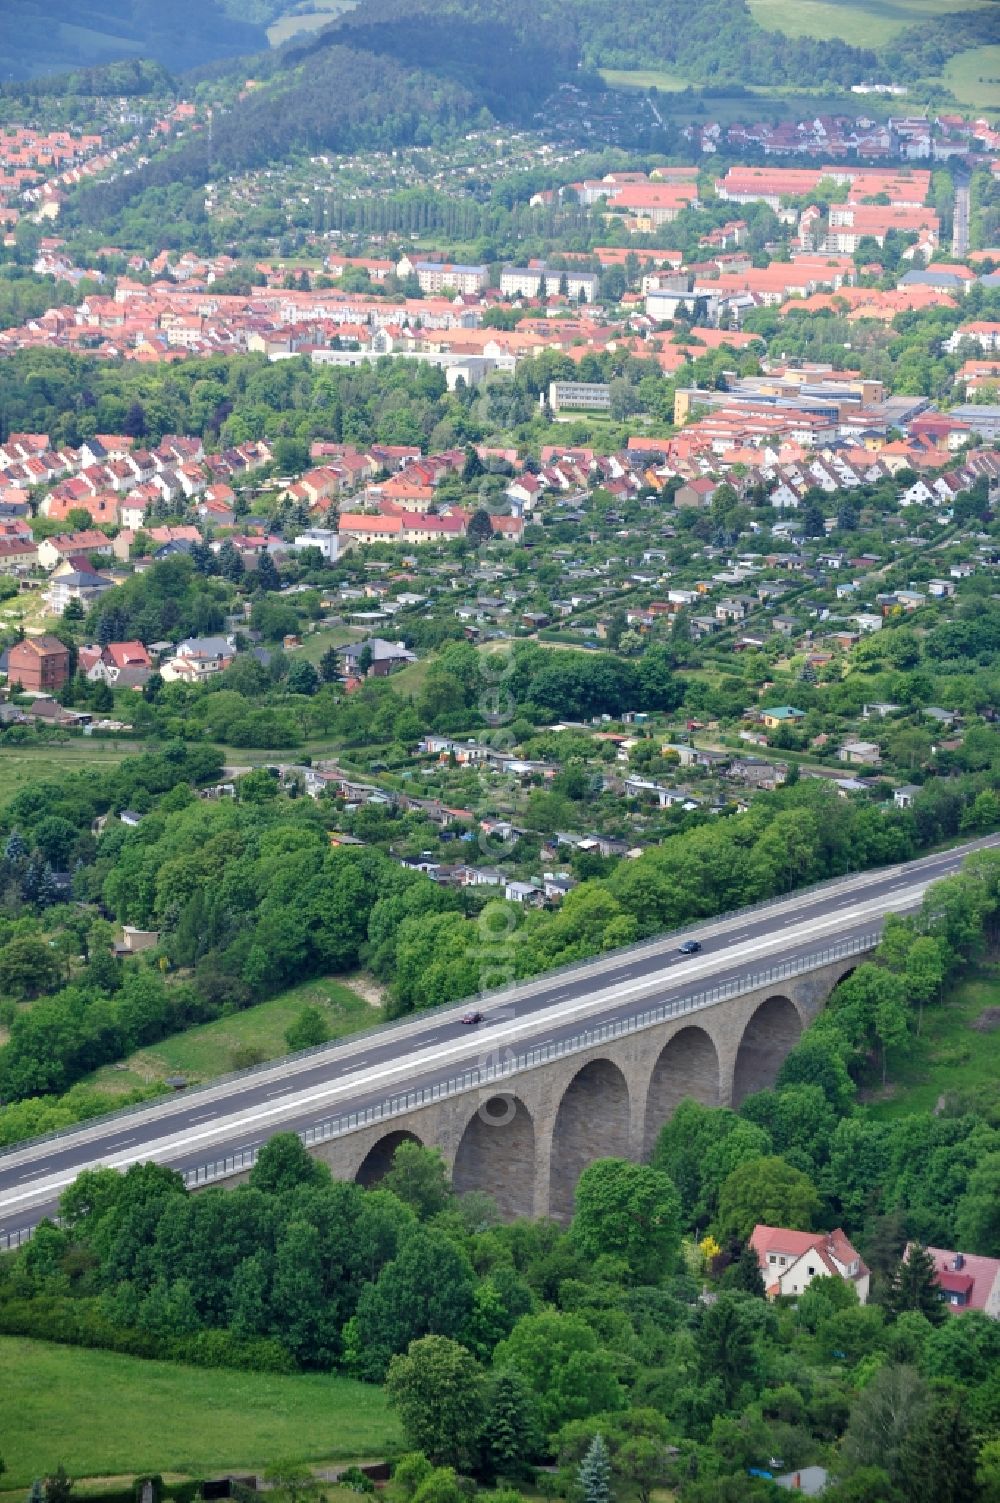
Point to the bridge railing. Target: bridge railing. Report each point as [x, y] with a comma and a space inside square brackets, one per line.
[531, 1058]
[663, 943]
[16, 1239]
[528, 1059]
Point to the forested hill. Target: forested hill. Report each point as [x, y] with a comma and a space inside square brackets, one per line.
[503, 54]
[716, 41]
[342, 100]
[481, 43]
[51, 36]
[386, 83]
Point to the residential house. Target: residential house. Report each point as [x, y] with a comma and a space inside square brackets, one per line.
[698, 492]
[789, 1260]
[860, 753]
[384, 656]
[126, 663]
[52, 551]
[780, 715]
[198, 658]
[362, 528]
[967, 1281]
[82, 584]
[17, 554]
[330, 544]
[39, 663]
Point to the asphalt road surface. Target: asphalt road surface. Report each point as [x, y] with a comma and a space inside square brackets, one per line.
[196, 1127]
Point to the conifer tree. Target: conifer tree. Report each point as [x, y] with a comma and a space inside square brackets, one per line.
[914, 1286]
[595, 1473]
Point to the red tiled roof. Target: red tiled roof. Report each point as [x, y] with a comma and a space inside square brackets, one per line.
[768, 1239]
[975, 1279]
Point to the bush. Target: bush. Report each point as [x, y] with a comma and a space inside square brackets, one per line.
[308, 1030]
[357, 1480]
[83, 1322]
[245, 1056]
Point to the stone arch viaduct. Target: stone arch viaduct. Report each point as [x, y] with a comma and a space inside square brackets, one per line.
[526, 1139]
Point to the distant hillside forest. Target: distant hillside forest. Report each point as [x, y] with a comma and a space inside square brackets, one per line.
[49, 36]
[716, 41]
[385, 83]
[477, 42]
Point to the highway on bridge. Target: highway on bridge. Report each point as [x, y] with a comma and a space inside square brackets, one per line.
[191, 1128]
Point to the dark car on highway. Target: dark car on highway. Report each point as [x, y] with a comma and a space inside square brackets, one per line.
[689, 947]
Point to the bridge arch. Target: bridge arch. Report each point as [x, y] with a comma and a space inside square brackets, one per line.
[496, 1154]
[687, 1065]
[772, 1031]
[592, 1123]
[378, 1160]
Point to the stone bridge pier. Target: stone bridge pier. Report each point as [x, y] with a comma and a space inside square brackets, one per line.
[526, 1140]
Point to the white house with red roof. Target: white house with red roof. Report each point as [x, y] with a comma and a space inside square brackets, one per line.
[790, 1260]
[52, 551]
[966, 1281]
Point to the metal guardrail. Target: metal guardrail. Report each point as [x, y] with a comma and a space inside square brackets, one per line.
[470, 1080]
[16, 1239]
[665, 941]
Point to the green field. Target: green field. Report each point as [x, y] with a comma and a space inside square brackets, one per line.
[28, 764]
[317, 642]
[211, 1049]
[778, 103]
[90, 45]
[410, 680]
[102, 1415]
[862, 23]
[951, 1056]
[974, 77]
[320, 14]
[644, 78]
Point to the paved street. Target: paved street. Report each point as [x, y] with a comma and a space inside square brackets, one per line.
[195, 1127]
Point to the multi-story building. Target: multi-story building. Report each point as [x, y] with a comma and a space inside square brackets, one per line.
[529, 281]
[579, 396]
[39, 663]
[442, 276]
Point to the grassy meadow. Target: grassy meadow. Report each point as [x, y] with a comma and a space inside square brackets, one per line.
[862, 23]
[216, 1048]
[29, 764]
[103, 1415]
[295, 21]
[952, 1056]
[974, 77]
[644, 78]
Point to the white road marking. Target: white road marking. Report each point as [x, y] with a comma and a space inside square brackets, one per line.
[890, 879]
[894, 896]
[393, 1074]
